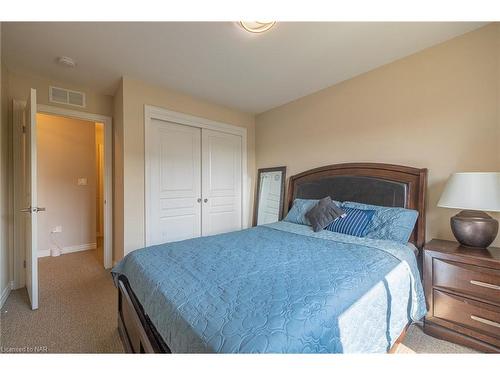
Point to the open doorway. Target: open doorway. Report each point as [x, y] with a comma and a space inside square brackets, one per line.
[70, 169]
[35, 239]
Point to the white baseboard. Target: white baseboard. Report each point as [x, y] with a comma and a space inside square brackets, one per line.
[69, 249]
[5, 293]
[15, 286]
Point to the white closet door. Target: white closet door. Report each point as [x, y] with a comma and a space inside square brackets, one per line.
[174, 180]
[221, 182]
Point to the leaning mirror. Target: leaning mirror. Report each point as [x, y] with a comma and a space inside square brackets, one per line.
[269, 195]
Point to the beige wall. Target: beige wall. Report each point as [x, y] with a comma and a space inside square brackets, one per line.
[436, 109]
[135, 95]
[20, 83]
[66, 152]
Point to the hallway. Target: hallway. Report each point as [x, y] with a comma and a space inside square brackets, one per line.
[77, 314]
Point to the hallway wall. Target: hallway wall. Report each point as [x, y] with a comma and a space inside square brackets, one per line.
[66, 152]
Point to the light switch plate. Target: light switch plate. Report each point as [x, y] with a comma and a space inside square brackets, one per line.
[82, 181]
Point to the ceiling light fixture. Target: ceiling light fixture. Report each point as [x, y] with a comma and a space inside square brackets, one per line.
[66, 61]
[257, 27]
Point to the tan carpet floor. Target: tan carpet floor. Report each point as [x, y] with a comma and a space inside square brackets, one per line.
[78, 309]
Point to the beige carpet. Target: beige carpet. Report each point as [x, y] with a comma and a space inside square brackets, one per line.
[416, 341]
[77, 313]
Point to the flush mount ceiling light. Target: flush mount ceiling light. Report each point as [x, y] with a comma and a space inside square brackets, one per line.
[257, 27]
[66, 61]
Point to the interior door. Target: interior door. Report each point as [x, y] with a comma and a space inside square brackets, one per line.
[173, 175]
[221, 182]
[31, 208]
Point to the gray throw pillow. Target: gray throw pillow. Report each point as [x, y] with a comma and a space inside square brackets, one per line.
[324, 213]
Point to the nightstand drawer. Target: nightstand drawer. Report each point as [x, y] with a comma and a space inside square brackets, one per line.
[466, 278]
[472, 314]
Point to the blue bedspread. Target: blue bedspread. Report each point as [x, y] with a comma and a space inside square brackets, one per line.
[277, 288]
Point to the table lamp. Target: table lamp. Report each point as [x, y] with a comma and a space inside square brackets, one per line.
[474, 193]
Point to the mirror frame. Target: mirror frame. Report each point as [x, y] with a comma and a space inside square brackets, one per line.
[257, 190]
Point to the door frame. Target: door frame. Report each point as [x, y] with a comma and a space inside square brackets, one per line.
[157, 113]
[18, 258]
[19, 253]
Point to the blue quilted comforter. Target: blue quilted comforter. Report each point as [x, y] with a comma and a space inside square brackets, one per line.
[278, 288]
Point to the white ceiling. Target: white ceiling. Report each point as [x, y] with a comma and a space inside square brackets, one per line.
[218, 61]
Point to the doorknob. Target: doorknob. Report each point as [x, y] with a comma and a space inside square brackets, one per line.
[198, 200]
[33, 209]
[205, 200]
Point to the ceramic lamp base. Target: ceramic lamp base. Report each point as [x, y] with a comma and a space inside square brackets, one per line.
[474, 228]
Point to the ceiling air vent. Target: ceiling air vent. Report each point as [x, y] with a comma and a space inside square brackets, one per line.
[65, 96]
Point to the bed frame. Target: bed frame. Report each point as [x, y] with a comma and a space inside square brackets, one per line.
[371, 183]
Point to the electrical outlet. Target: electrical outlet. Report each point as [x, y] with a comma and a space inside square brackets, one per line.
[57, 229]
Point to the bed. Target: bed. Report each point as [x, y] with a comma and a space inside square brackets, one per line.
[282, 288]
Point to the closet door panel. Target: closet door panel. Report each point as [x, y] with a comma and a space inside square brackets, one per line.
[174, 179]
[221, 182]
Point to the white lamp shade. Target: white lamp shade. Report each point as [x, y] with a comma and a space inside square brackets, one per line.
[472, 191]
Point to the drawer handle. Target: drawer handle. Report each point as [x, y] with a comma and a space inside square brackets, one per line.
[485, 285]
[485, 321]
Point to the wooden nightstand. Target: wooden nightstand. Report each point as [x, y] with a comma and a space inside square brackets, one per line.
[462, 291]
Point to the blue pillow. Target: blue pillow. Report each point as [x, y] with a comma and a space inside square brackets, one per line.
[354, 223]
[300, 208]
[388, 223]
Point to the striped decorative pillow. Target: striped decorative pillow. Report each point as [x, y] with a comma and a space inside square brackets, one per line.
[354, 223]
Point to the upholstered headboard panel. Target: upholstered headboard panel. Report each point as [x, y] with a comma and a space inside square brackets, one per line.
[371, 183]
[368, 190]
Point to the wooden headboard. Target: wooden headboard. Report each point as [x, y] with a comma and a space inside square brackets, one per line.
[370, 183]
